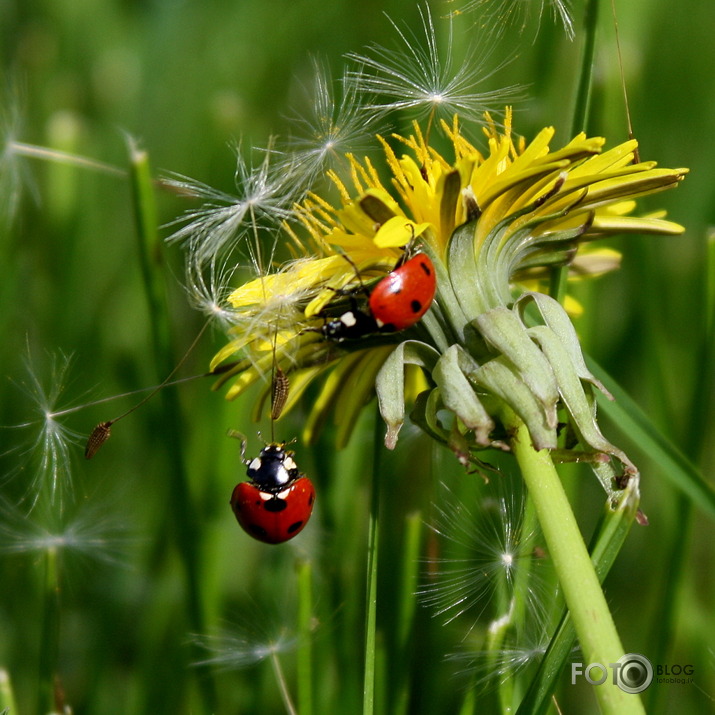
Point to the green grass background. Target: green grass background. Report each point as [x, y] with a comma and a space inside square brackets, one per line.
[188, 80]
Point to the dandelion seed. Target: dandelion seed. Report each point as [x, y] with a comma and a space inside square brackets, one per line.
[236, 650]
[100, 434]
[488, 668]
[260, 633]
[500, 14]
[414, 76]
[86, 530]
[279, 392]
[334, 125]
[48, 455]
[226, 223]
[485, 544]
[208, 286]
[13, 173]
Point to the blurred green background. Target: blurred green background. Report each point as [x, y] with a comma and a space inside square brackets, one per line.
[189, 80]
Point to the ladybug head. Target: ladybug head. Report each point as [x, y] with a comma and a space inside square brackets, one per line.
[273, 468]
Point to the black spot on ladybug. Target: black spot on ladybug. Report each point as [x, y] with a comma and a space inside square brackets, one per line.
[258, 531]
[294, 527]
[275, 504]
[311, 500]
[425, 268]
[416, 306]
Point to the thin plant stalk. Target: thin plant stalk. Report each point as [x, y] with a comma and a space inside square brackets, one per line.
[50, 643]
[187, 536]
[7, 697]
[557, 287]
[371, 588]
[469, 704]
[282, 685]
[399, 672]
[583, 91]
[305, 647]
[584, 597]
[518, 603]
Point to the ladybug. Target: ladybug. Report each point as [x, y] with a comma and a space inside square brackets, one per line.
[397, 302]
[277, 501]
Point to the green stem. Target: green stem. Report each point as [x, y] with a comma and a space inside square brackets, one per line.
[400, 670]
[557, 280]
[582, 591]
[183, 513]
[305, 647]
[583, 92]
[50, 643]
[609, 537]
[371, 596]
[7, 698]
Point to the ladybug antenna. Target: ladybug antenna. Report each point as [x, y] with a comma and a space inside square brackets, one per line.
[409, 248]
[103, 431]
[357, 274]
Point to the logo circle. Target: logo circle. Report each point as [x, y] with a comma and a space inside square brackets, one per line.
[635, 673]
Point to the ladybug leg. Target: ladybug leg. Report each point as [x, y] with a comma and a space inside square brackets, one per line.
[310, 330]
[244, 442]
[350, 292]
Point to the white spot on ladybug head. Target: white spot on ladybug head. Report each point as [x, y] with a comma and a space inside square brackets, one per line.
[284, 494]
[289, 464]
[255, 464]
[348, 319]
[282, 475]
[379, 322]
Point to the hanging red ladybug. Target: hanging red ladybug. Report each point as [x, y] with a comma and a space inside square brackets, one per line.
[277, 500]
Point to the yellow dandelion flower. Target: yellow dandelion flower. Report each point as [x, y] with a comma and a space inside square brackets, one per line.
[492, 223]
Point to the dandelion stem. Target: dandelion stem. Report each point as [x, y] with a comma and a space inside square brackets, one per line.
[609, 537]
[582, 591]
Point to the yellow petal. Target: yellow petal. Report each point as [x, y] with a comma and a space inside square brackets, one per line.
[398, 232]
